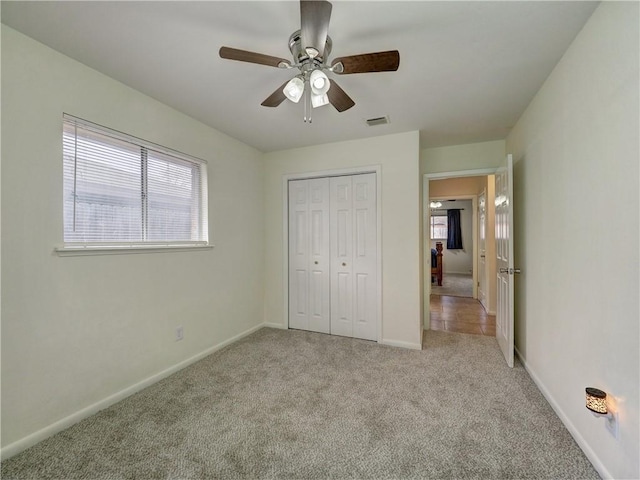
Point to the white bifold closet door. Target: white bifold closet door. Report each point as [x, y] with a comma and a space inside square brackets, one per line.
[332, 255]
[309, 255]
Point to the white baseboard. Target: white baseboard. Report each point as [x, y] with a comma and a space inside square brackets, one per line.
[397, 343]
[582, 443]
[36, 437]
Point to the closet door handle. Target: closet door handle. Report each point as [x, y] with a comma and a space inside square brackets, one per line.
[344, 264]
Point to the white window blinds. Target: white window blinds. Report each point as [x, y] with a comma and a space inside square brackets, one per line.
[439, 227]
[123, 191]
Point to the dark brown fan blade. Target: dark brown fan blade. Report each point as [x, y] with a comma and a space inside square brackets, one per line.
[276, 98]
[314, 24]
[251, 57]
[369, 62]
[338, 98]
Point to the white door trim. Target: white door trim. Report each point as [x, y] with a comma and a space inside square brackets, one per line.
[462, 173]
[377, 169]
[426, 232]
[482, 278]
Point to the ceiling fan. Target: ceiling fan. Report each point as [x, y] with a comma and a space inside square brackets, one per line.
[310, 47]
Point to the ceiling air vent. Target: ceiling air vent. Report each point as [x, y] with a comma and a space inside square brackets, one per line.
[377, 121]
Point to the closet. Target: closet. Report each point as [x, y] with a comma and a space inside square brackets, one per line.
[332, 255]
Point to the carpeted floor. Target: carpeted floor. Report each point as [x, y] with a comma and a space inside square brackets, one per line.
[454, 285]
[300, 405]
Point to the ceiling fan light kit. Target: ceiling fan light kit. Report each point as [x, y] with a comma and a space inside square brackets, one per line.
[294, 89]
[310, 47]
[319, 82]
[319, 100]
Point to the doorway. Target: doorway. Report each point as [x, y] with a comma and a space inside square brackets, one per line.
[464, 314]
[453, 217]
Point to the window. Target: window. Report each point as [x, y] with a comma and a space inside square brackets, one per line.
[121, 191]
[439, 227]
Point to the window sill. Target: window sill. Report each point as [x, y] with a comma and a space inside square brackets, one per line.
[75, 251]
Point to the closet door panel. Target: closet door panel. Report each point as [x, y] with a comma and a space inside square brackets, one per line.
[364, 261]
[298, 254]
[301, 287]
[320, 313]
[341, 208]
[309, 255]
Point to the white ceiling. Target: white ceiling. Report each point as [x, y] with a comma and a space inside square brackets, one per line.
[467, 69]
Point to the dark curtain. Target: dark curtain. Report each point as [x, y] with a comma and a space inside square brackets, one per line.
[454, 231]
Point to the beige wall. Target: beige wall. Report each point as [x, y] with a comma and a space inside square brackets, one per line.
[576, 152]
[78, 330]
[398, 157]
[452, 187]
[456, 158]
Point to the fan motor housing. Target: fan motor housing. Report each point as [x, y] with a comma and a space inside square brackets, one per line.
[300, 56]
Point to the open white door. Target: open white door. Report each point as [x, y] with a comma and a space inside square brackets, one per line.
[504, 258]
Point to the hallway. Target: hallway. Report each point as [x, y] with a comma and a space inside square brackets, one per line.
[460, 315]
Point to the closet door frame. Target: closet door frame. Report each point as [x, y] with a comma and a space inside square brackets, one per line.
[377, 169]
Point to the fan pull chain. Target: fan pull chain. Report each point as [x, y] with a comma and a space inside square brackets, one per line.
[305, 104]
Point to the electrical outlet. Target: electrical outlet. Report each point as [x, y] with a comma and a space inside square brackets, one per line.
[179, 333]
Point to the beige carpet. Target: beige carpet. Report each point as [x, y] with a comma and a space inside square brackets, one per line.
[454, 285]
[298, 405]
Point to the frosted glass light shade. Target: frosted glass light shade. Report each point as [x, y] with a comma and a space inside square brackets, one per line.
[319, 82]
[319, 100]
[294, 89]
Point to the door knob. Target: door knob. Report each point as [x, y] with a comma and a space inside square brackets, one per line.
[482, 256]
[316, 262]
[344, 264]
[510, 271]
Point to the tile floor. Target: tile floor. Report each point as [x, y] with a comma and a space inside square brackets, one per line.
[461, 315]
